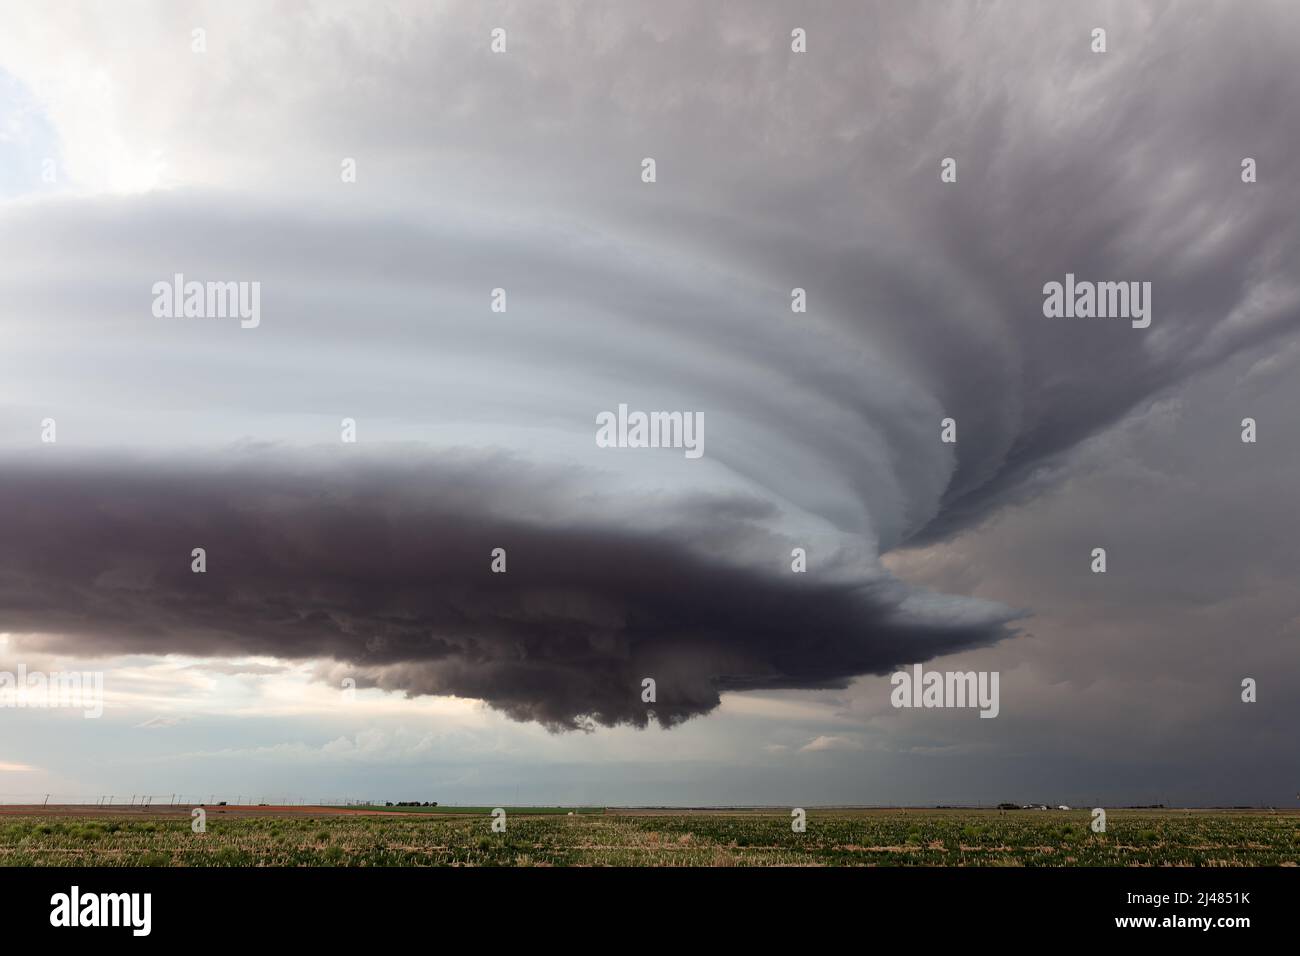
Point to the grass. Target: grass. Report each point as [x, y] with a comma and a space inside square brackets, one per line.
[833, 838]
[530, 811]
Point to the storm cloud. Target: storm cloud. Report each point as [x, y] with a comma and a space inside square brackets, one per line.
[775, 170]
[383, 566]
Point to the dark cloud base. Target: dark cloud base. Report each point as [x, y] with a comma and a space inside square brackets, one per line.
[383, 565]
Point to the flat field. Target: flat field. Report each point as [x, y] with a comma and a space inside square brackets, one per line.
[549, 836]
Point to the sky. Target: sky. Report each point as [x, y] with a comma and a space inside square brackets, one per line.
[458, 249]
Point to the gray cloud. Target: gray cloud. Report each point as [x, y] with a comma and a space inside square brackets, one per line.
[819, 171]
[383, 565]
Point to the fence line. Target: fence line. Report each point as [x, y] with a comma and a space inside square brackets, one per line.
[155, 801]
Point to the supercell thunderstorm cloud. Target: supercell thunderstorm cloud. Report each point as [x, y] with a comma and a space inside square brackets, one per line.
[519, 181]
[381, 564]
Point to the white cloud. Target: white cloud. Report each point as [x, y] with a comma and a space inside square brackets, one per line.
[830, 742]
